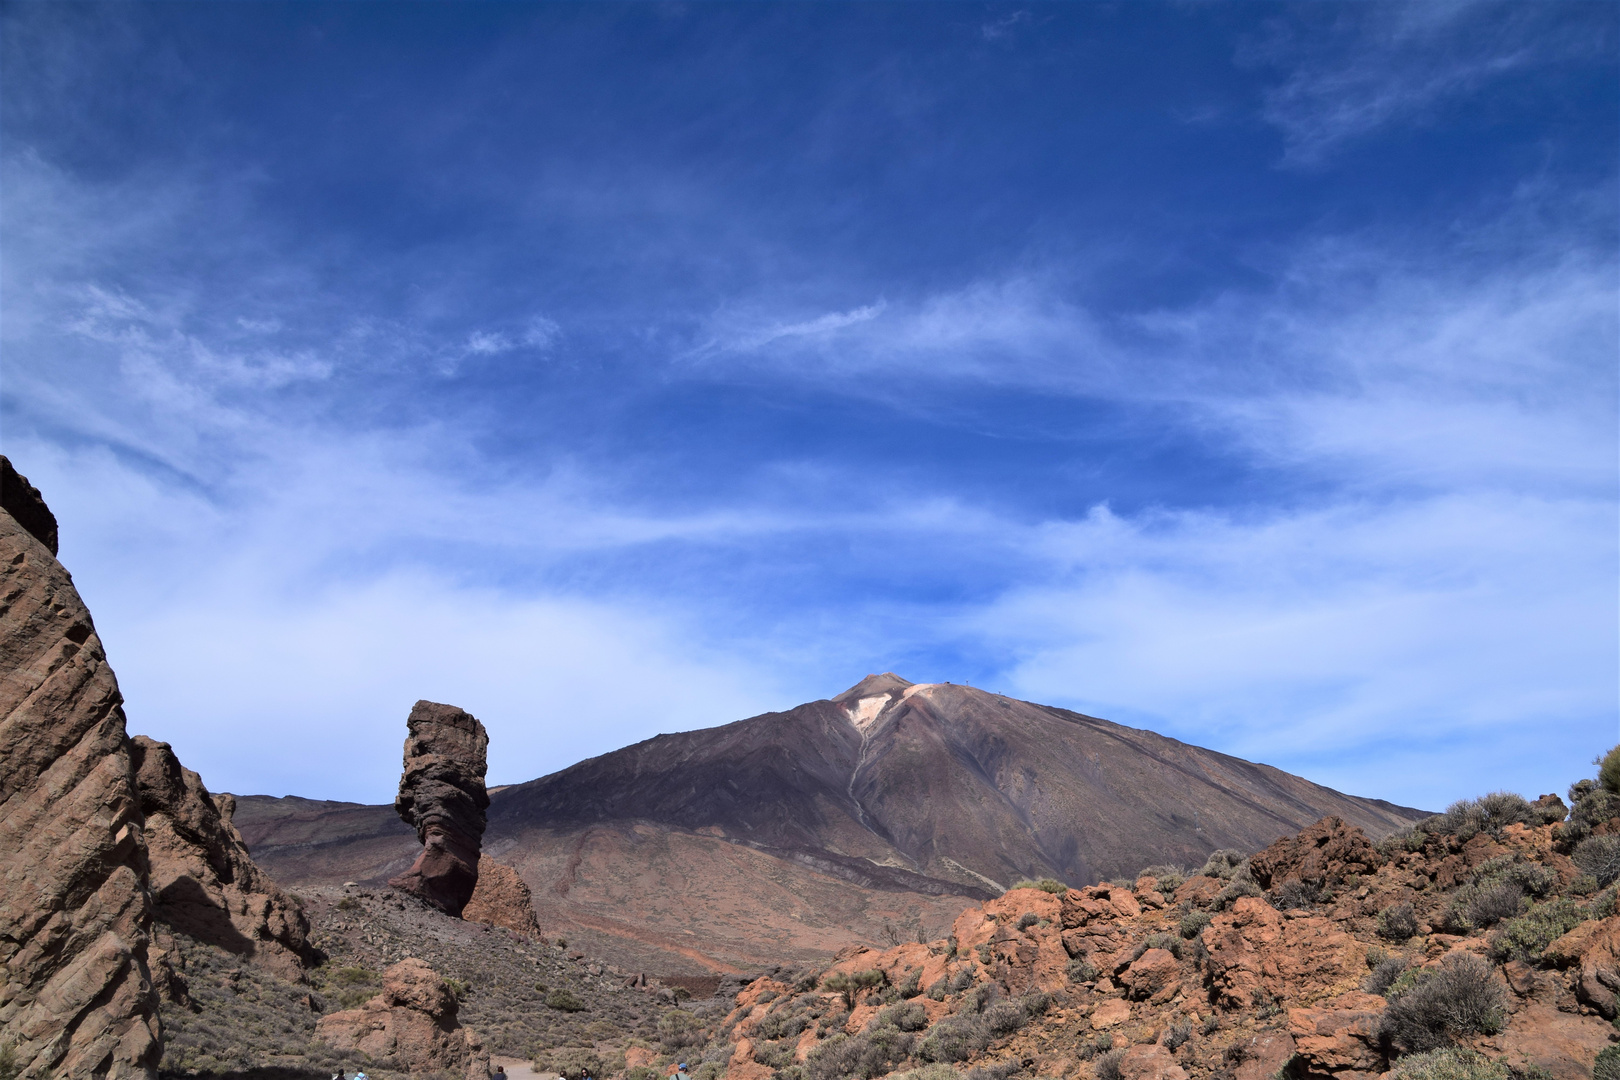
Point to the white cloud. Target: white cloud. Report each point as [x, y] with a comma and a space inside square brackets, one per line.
[1384, 64]
[1299, 637]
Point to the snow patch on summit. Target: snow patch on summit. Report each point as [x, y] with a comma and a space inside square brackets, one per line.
[864, 713]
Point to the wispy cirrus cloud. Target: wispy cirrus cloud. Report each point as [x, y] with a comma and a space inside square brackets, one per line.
[1376, 65]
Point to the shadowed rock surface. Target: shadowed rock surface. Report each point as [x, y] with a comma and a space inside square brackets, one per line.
[203, 882]
[78, 998]
[26, 505]
[442, 796]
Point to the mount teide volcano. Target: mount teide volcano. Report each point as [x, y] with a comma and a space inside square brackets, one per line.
[791, 834]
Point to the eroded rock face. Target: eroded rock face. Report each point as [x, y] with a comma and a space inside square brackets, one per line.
[1256, 954]
[502, 899]
[411, 1026]
[1323, 854]
[204, 883]
[442, 796]
[78, 999]
[1594, 949]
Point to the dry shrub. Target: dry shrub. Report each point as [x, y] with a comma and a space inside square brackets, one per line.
[1442, 1004]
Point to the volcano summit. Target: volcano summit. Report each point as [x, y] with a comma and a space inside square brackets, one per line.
[792, 834]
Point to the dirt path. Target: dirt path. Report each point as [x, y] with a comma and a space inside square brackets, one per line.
[516, 1068]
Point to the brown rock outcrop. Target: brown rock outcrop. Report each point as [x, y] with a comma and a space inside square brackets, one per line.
[1323, 854]
[78, 999]
[1150, 1063]
[1340, 1039]
[204, 883]
[1154, 971]
[1256, 954]
[1593, 947]
[411, 1026]
[500, 898]
[442, 796]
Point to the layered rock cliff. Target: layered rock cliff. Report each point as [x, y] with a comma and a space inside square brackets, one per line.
[203, 882]
[75, 918]
[442, 796]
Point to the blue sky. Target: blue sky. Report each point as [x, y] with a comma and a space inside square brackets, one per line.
[1242, 371]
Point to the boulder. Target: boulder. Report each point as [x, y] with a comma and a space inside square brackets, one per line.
[500, 898]
[1255, 955]
[1323, 854]
[1153, 971]
[204, 883]
[1150, 1062]
[75, 918]
[1341, 1037]
[410, 1027]
[1263, 1056]
[442, 796]
[1593, 949]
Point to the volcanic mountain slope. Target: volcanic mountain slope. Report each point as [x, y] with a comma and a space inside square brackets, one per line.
[789, 835]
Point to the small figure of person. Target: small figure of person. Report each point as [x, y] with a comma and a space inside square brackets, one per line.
[498, 1074]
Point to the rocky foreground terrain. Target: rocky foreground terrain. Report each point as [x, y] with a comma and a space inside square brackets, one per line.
[1490, 929]
[789, 836]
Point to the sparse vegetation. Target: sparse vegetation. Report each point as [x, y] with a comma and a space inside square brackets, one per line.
[853, 984]
[1526, 937]
[1449, 1063]
[955, 1038]
[1045, 884]
[1170, 878]
[1082, 969]
[1293, 893]
[1607, 1065]
[1398, 922]
[1599, 857]
[873, 1053]
[1223, 863]
[1385, 973]
[1438, 1005]
[563, 1001]
[678, 1029]
[908, 1017]
[1193, 923]
[1108, 1065]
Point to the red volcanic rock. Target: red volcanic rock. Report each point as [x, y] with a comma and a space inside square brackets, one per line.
[203, 881]
[1262, 1057]
[411, 1026]
[442, 796]
[1150, 1062]
[1151, 972]
[1595, 948]
[1322, 854]
[1340, 1038]
[1255, 953]
[502, 899]
[77, 998]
